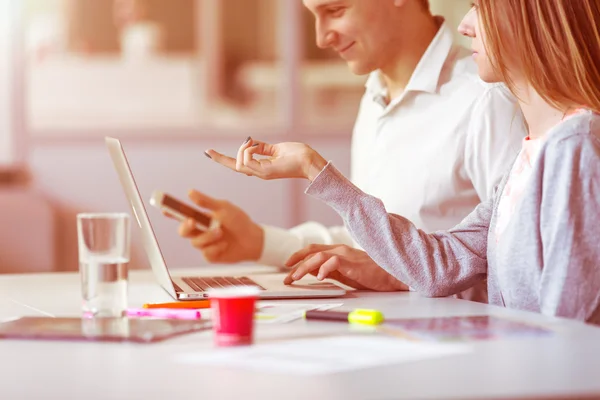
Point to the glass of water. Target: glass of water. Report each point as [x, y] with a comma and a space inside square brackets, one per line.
[103, 242]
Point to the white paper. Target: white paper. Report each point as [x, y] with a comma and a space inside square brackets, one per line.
[323, 356]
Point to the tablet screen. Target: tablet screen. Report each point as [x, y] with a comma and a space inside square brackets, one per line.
[99, 329]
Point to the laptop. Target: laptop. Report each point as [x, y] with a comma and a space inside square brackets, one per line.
[195, 287]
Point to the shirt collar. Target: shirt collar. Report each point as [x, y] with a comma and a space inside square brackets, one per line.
[426, 76]
[376, 88]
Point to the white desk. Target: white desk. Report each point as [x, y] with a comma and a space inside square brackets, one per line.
[566, 364]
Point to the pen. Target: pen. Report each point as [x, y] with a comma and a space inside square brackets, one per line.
[359, 316]
[163, 313]
[180, 304]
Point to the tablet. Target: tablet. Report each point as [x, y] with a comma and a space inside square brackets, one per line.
[138, 330]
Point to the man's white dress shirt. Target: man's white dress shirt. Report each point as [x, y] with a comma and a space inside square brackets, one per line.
[431, 155]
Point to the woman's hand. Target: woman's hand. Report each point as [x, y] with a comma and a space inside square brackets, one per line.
[350, 266]
[283, 160]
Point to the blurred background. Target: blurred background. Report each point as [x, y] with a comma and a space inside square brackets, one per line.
[170, 79]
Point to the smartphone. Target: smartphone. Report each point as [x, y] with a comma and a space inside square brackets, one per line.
[182, 211]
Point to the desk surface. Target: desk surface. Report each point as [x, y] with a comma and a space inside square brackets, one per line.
[563, 365]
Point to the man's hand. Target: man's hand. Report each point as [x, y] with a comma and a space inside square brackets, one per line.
[237, 239]
[348, 265]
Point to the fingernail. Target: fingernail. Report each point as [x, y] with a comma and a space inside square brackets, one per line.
[295, 277]
[320, 277]
[247, 139]
[255, 144]
[207, 155]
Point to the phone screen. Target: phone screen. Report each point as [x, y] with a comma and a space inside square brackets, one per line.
[186, 210]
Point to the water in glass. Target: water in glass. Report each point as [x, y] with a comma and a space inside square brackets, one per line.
[104, 286]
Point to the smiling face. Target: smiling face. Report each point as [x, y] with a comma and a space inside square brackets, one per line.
[360, 31]
[471, 27]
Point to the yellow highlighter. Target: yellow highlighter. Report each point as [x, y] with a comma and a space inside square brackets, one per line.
[358, 316]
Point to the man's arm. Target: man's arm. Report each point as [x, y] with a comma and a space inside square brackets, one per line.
[238, 238]
[280, 244]
[496, 130]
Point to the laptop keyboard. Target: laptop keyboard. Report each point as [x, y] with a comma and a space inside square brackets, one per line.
[202, 284]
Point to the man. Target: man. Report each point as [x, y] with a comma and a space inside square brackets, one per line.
[431, 140]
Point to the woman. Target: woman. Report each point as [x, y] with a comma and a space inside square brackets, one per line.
[537, 240]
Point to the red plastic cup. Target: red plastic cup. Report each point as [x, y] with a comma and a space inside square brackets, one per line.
[233, 315]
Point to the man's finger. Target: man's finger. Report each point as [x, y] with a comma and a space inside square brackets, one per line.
[168, 214]
[203, 200]
[207, 238]
[214, 252]
[188, 229]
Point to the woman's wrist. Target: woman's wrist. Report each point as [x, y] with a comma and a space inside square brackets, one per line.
[316, 163]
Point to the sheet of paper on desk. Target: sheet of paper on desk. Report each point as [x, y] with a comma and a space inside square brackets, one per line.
[324, 355]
